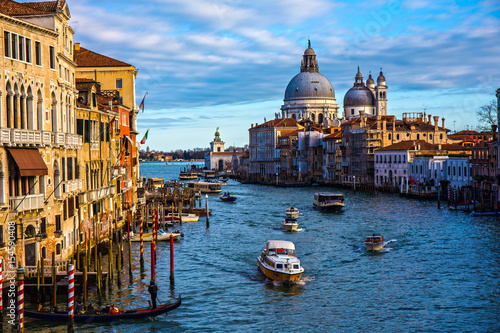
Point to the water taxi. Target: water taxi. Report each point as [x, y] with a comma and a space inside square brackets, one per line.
[205, 187]
[289, 224]
[278, 261]
[374, 242]
[226, 197]
[329, 201]
[188, 175]
[156, 182]
[162, 236]
[292, 212]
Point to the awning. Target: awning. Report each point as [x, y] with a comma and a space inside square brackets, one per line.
[29, 162]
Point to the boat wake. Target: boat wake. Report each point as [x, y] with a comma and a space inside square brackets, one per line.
[301, 282]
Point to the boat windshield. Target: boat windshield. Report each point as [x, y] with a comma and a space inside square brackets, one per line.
[282, 252]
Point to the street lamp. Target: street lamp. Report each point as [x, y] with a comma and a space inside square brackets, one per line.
[354, 183]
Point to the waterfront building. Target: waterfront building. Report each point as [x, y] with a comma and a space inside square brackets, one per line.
[218, 158]
[333, 156]
[117, 83]
[310, 153]
[310, 95]
[39, 180]
[432, 169]
[362, 135]
[370, 99]
[484, 165]
[264, 157]
[287, 146]
[95, 122]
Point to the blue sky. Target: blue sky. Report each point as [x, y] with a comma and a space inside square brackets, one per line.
[226, 63]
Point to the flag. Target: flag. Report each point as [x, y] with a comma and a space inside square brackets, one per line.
[141, 106]
[143, 141]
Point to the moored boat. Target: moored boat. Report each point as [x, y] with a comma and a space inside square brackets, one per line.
[185, 217]
[292, 212]
[188, 175]
[374, 242]
[466, 205]
[289, 224]
[98, 317]
[329, 201]
[205, 187]
[162, 236]
[201, 211]
[279, 262]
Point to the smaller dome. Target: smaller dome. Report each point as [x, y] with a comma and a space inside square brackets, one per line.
[359, 96]
[309, 51]
[381, 78]
[369, 82]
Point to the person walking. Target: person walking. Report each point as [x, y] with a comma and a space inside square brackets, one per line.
[153, 290]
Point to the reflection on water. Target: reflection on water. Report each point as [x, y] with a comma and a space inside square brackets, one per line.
[438, 272]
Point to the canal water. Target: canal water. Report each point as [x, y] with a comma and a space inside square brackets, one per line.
[438, 273]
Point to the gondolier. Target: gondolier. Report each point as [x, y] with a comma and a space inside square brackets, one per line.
[153, 290]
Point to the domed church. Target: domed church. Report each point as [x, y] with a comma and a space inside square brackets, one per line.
[310, 95]
[370, 98]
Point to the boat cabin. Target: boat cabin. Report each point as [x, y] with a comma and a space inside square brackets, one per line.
[205, 187]
[280, 248]
[328, 197]
[156, 182]
[374, 239]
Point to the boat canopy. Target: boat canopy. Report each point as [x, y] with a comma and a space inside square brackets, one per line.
[279, 244]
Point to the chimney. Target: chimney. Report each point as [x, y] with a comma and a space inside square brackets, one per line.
[77, 46]
[442, 120]
[436, 119]
[378, 121]
[362, 117]
[251, 125]
[429, 119]
[494, 132]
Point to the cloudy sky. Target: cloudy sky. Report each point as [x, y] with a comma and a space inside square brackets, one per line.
[226, 63]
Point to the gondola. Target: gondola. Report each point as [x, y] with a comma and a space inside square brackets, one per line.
[228, 198]
[100, 318]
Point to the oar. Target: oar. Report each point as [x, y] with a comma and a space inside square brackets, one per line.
[158, 300]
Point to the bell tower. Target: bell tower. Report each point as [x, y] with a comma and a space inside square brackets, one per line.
[381, 95]
[217, 146]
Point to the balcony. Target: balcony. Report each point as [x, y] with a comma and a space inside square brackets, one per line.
[73, 141]
[58, 139]
[17, 137]
[71, 186]
[30, 202]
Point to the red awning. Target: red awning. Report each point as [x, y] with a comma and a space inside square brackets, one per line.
[29, 162]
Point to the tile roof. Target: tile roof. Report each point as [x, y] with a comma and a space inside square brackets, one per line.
[335, 135]
[13, 8]
[84, 80]
[87, 58]
[409, 145]
[46, 6]
[284, 122]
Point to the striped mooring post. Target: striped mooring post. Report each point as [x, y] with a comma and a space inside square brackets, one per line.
[20, 297]
[142, 244]
[71, 294]
[1, 286]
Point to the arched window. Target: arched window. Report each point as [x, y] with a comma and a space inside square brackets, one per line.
[58, 248]
[39, 110]
[54, 113]
[29, 232]
[30, 112]
[22, 108]
[15, 113]
[8, 104]
[320, 118]
[57, 180]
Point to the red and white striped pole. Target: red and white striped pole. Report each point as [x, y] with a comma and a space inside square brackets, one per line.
[71, 292]
[20, 297]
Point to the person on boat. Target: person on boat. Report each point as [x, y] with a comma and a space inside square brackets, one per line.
[106, 309]
[113, 309]
[90, 309]
[79, 307]
[153, 290]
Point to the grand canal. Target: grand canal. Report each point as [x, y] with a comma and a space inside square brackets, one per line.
[439, 272]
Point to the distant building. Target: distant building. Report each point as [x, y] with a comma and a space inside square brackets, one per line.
[218, 158]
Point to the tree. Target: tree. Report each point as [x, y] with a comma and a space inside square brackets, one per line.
[487, 115]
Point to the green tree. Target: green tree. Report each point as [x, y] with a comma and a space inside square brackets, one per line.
[487, 115]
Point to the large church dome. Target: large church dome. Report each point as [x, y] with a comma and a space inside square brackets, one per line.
[309, 85]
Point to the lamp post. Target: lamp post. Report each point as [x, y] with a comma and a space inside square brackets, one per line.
[354, 183]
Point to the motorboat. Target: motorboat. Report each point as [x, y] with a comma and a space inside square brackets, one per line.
[185, 217]
[329, 201]
[226, 197]
[163, 236]
[374, 242]
[279, 262]
[289, 224]
[292, 212]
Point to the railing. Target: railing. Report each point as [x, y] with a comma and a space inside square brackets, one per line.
[74, 140]
[58, 139]
[30, 202]
[74, 185]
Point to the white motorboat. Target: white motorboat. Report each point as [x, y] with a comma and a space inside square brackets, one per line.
[374, 242]
[279, 262]
[162, 236]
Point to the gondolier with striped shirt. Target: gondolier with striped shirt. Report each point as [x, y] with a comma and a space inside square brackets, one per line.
[153, 290]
